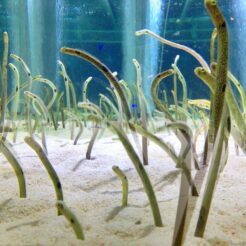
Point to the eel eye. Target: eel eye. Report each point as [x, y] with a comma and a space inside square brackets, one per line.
[213, 2]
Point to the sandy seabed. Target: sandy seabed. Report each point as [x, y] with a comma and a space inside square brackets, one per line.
[93, 193]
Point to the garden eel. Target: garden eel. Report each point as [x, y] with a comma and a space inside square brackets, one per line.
[68, 85]
[91, 143]
[118, 102]
[69, 215]
[39, 113]
[52, 86]
[127, 90]
[183, 111]
[16, 99]
[166, 148]
[143, 115]
[236, 84]
[4, 79]
[165, 97]
[29, 88]
[141, 172]
[84, 90]
[105, 70]
[212, 44]
[175, 45]
[73, 116]
[174, 91]
[113, 95]
[212, 175]
[10, 156]
[93, 107]
[184, 191]
[73, 95]
[240, 90]
[42, 112]
[206, 77]
[48, 166]
[183, 82]
[229, 96]
[17, 87]
[40, 103]
[222, 68]
[154, 91]
[36, 108]
[124, 182]
[109, 103]
[200, 103]
[117, 98]
[60, 107]
[104, 105]
[22, 87]
[175, 96]
[189, 138]
[97, 117]
[64, 74]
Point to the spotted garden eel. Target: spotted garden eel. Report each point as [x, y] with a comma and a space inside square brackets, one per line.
[216, 162]
[124, 182]
[141, 172]
[237, 84]
[212, 45]
[16, 99]
[29, 88]
[21, 88]
[143, 115]
[60, 108]
[70, 216]
[110, 104]
[92, 107]
[166, 148]
[14, 162]
[181, 221]
[174, 91]
[53, 88]
[4, 79]
[99, 116]
[69, 86]
[175, 45]
[183, 83]
[154, 91]
[84, 90]
[127, 90]
[229, 96]
[39, 101]
[222, 67]
[105, 70]
[48, 166]
[165, 97]
[104, 106]
[73, 116]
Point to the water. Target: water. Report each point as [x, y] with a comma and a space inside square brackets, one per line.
[39, 28]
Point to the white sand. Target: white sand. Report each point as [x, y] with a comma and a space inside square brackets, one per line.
[93, 192]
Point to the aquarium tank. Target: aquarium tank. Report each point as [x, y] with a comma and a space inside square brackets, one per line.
[132, 74]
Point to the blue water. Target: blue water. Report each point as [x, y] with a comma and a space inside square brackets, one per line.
[39, 28]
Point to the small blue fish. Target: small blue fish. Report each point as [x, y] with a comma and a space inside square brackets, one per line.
[134, 105]
[100, 46]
